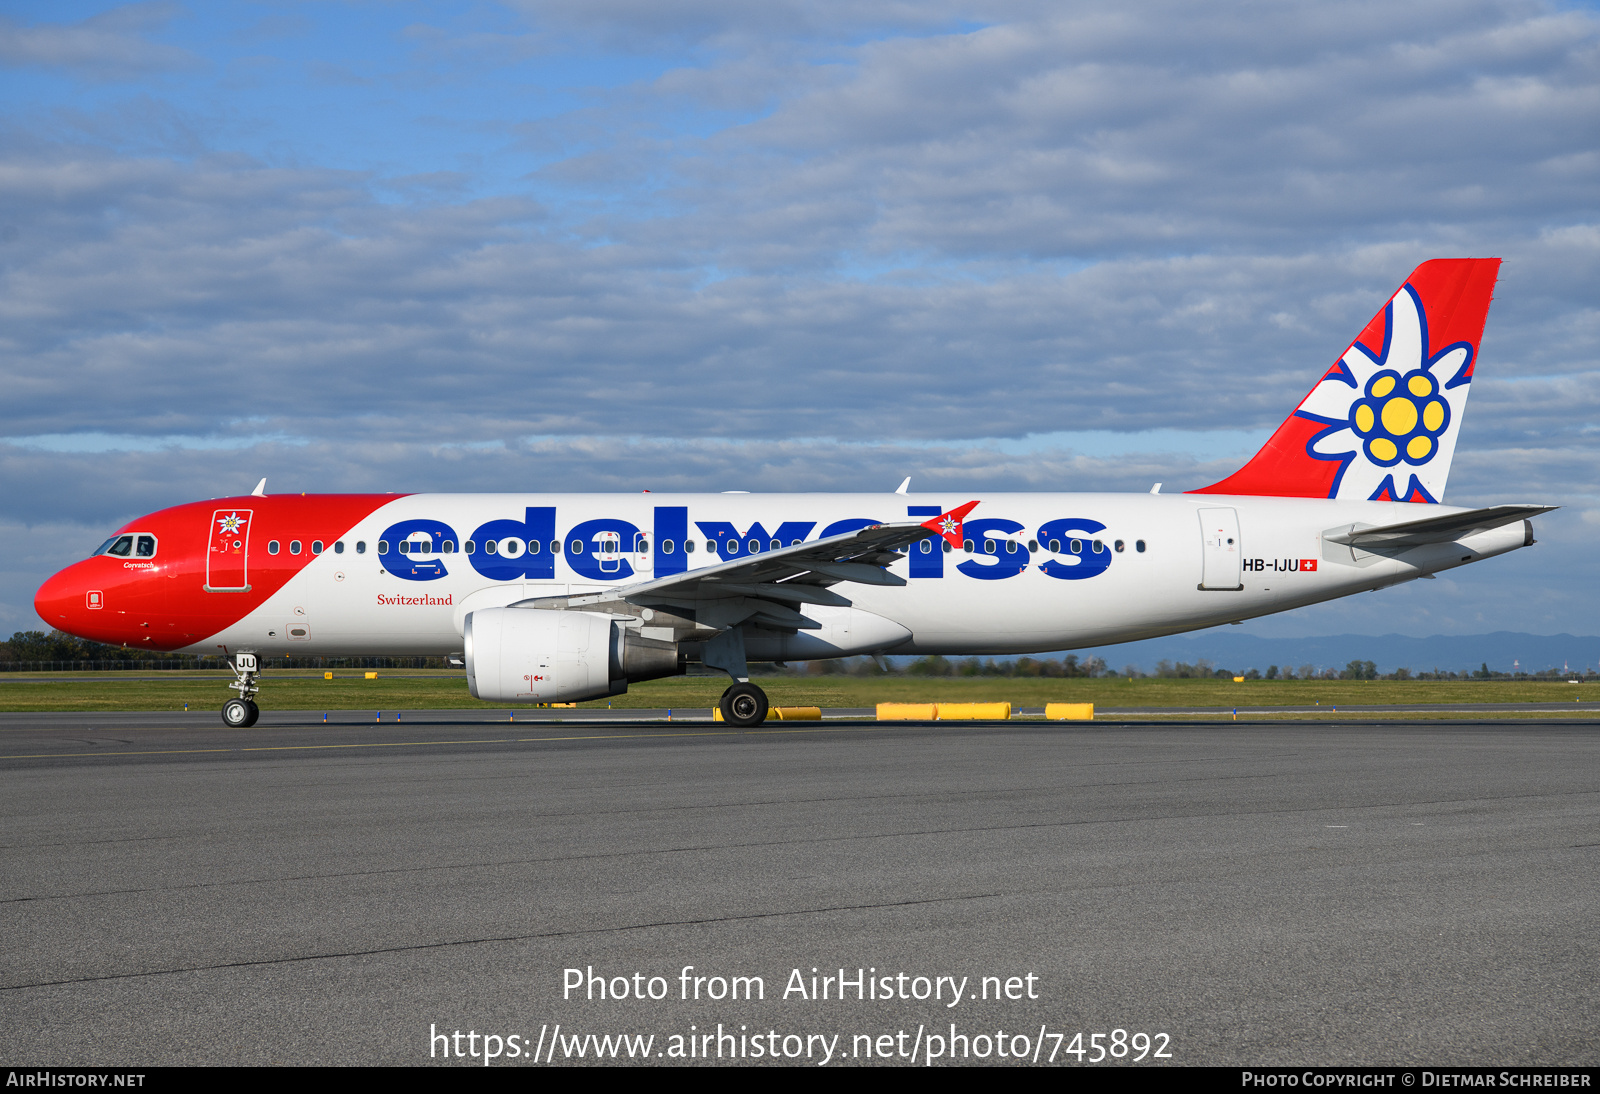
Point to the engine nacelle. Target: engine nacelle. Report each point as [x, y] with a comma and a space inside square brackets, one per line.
[533, 655]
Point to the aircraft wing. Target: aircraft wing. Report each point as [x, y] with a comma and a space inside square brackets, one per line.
[1445, 529]
[770, 588]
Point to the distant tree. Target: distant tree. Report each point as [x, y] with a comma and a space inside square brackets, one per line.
[1255, 674]
[1359, 670]
[1308, 672]
[1272, 672]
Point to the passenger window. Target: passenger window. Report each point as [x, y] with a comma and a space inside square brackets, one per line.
[711, 547]
[1118, 546]
[1011, 546]
[1033, 545]
[405, 546]
[1138, 545]
[688, 546]
[775, 545]
[383, 546]
[947, 547]
[316, 546]
[643, 546]
[667, 546]
[575, 547]
[927, 546]
[555, 547]
[1055, 546]
[147, 546]
[122, 548]
[1099, 548]
[338, 548]
[294, 546]
[490, 546]
[361, 546]
[1077, 546]
[272, 546]
[966, 545]
[447, 547]
[425, 547]
[469, 546]
[988, 545]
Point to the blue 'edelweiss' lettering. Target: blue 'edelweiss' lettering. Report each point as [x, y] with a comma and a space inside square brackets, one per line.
[599, 549]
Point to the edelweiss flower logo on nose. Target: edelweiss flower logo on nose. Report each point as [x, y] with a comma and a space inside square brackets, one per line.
[1397, 406]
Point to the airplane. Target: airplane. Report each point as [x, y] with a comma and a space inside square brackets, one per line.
[567, 597]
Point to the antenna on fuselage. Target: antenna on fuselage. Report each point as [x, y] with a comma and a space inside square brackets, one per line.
[261, 489]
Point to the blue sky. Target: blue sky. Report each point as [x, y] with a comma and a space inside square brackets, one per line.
[708, 245]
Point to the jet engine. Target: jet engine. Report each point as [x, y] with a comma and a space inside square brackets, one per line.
[533, 655]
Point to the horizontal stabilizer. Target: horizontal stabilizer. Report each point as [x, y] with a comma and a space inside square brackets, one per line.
[1455, 526]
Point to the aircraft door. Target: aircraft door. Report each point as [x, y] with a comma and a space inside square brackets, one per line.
[228, 553]
[641, 553]
[608, 549]
[1220, 566]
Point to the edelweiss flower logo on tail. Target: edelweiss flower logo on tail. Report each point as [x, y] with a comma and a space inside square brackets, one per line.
[1391, 418]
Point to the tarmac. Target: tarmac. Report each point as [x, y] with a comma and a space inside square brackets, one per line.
[1380, 891]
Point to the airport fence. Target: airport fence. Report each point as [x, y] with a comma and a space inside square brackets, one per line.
[164, 664]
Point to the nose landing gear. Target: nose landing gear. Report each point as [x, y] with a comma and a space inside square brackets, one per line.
[241, 713]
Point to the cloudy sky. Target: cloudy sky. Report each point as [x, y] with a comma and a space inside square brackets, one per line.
[710, 245]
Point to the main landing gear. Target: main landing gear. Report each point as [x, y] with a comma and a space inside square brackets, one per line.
[743, 705]
[241, 713]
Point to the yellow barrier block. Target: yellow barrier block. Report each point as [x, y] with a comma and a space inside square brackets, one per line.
[1069, 712]
[327, 676]
[794, 714]
[907, 712]
[372, 676]
[1238, 679]
[972, 712]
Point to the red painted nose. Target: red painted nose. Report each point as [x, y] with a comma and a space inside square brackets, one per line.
[65, 601]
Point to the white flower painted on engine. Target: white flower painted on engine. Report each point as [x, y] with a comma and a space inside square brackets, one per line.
[1392, 419]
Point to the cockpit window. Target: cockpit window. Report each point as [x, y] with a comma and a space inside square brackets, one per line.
[129, 545]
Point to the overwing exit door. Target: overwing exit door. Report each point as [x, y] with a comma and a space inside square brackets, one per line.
[1220, 566]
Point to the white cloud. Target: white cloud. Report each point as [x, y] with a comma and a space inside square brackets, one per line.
[108, 46]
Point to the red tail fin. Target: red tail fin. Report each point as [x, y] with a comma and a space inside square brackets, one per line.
[1382, 422]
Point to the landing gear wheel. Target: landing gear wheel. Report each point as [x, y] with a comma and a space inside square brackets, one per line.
[255, 712]
[744, 705]
[239, 713]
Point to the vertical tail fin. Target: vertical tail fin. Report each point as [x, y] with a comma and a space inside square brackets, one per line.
[1382, 422]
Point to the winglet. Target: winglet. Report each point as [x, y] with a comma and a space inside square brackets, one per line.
[261, 489]
[948, 524]
[903, 487]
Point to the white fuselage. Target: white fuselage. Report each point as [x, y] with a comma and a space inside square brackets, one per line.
[1008, 601]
